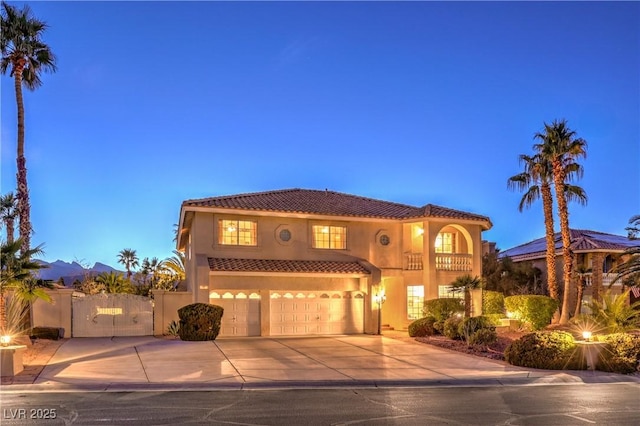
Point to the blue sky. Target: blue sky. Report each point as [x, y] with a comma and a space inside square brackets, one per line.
[412, 102]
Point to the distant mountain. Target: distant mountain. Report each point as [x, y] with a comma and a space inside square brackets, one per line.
[69, 272]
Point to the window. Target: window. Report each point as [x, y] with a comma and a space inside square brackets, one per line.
[446, 291]
[415, 301]
[445, 243]
[330, 237]
[237, 232]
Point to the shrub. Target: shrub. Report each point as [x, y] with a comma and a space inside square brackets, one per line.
[494, 319]
[535, 310]
[469, 326]
[422, 327]
[492, 303]
[451, 327]
[615, 313]
[621, 355]
[554, 350]
[173, 329]
[484, 336]
[200, 321]
[442, 309]
[438, 326]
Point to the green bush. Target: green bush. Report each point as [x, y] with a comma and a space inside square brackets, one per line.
[173, 329]
[422, 327]
[494, 319]
[200, 321]
[621, 355]
[552, 350]
[484, 336]
[469, 326]
[438, 326]
[492, 303]
[444, 308]
[451, 327]
[535, 310]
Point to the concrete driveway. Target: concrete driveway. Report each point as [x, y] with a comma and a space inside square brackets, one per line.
[355, 360]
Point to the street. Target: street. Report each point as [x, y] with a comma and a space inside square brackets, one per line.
[571, 404]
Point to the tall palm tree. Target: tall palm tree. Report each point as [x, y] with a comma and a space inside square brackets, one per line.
[8, 213]
[151, 267]
[582, 272]
[25, 56]
[129, 259]
[560, 146]
[536, 180]
[114, 282]
[16, 266]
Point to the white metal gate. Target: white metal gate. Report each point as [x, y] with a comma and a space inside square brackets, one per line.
[106, 315]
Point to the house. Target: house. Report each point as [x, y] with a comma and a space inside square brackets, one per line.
[300, 261]
[596, 255]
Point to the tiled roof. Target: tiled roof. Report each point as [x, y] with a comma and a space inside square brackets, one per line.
[328, 203]
[274, 265]
[582, 241]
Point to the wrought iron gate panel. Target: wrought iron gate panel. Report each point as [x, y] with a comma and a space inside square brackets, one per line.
[106, 315]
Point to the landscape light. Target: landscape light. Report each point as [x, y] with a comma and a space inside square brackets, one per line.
[586, 335]
[5, 340]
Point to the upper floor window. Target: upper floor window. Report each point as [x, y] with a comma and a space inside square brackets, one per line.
[237, 232]
[330, 237]
[445, 243]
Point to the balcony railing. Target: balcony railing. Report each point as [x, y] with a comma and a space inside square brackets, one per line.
[458, 262]
[414, 262]
[607, 279]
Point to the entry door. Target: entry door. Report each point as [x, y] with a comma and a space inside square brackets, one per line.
[241, 315]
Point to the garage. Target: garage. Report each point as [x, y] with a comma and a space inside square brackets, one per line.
[308, 313]
[241, 313]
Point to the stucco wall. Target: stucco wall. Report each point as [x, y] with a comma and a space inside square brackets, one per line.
[55, 314]
[165, 308]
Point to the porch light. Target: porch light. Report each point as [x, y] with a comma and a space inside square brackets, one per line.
[586, 335]
[5, 340]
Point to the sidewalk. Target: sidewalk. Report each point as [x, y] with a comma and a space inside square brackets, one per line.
[136, 363]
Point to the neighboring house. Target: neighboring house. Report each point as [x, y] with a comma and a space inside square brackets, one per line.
[300, 261]
[596, 255]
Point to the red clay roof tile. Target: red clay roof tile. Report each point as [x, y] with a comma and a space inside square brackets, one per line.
[274, 265]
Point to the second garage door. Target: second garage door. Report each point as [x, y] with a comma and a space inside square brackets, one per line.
[302, 313]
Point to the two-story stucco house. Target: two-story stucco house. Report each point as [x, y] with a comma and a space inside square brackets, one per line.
[298, 261]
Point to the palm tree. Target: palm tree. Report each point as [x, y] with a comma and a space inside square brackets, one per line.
[129, 259]
[8, 213]
[151, 267]
[466, 283]
[113, 282]
[629, 270]
[175, 265]
[561, 148]
[582, 272]
[16, 266]
[29, 290]
[536, 180]
[25, 57]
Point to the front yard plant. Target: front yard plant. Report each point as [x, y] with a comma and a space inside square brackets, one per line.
[535, 311]
[549, 350]
[200, 321]
[422, 327]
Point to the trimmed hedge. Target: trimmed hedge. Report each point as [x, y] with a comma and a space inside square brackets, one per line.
[444, 308]
[422, 327]
[535, 310]
[621, 355]
[492, 303]
[553, 350]
[200, 321]
[484, 336]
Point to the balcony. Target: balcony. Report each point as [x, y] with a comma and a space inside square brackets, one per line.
[456, 262]
[607, 279]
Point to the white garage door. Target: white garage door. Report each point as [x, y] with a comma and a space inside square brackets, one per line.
[241, 315]
[301, 313]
